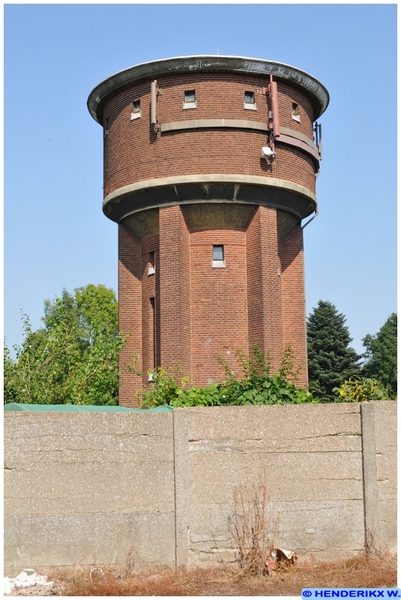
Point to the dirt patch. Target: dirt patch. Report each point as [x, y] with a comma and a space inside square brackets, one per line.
[56, 589]
[362, 571]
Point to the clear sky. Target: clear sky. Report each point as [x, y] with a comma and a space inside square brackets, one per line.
[55, 234]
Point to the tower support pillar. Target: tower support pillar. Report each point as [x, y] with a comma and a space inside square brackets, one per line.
[129, 313]
[264, 285]
[174, 277]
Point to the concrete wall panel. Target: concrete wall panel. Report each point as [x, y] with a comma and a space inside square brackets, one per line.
[83, 487]
[308, 458]
[386, 451]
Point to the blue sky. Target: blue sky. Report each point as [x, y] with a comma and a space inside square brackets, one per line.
[55, 234]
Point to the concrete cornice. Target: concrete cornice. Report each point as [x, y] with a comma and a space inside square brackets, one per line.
[208, 191]
[209, 178]
[205, 63]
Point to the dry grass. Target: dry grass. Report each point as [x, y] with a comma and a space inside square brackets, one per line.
[252, 532]
[363, 571]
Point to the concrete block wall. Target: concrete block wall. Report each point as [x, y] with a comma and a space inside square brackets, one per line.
[382, 524]
[88, 488]
[158, 487]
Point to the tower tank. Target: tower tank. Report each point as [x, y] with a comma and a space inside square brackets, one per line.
[210, 167]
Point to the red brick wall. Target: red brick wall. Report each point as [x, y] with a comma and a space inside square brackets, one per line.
[264, 285]
[255, 284]
[288, 95]
[133, 152]
[219, 315]
[150, 325]
[203, 312]
[293, 299]
[130, 312]
[175, 330]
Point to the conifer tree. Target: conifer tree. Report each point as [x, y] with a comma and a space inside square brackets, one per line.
[331, 360]
[381, 355]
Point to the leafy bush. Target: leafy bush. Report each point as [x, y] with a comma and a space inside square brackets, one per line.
[73, 358]
[253, 385]
[360, 390]
[166, 387]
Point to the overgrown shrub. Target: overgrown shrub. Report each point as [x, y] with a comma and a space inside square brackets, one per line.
[254, 384]
[360, 390]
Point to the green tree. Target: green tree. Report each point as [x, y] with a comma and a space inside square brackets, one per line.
[381, 355]
[73, 359]
[330, 358]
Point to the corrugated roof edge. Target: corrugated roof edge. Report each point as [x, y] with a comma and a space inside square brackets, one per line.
[14, 406]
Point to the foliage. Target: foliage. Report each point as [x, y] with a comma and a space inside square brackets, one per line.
[381, 355]
[330, 358]
[360, 390]
[167, 384]
[73, 359]
[253, 385]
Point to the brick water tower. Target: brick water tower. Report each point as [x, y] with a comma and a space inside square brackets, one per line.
[210, 167]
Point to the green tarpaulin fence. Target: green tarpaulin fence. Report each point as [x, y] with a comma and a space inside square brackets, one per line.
[80, 408]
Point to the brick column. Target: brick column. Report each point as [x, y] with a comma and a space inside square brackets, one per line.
[174, 281]
[150, 305]
[129, 312]
[254, 282]
[293, 299]
[264, 285]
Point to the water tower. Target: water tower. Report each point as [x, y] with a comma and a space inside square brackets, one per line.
[210, 166]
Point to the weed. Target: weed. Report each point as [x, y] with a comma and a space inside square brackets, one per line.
[130, 560]
[253, 534]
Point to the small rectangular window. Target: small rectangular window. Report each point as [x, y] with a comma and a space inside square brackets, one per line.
[218, 252]
[218, 257]
[189, 99]
[136, 110]
[249, 101]
[190, 96]
[151, 264]
[295, 112]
